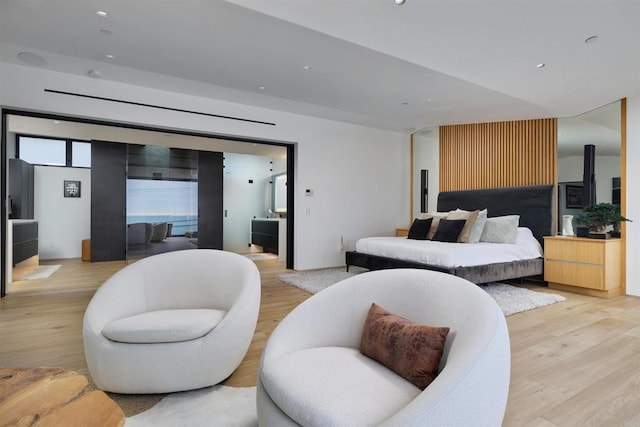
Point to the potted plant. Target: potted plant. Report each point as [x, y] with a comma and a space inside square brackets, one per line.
[597, 217]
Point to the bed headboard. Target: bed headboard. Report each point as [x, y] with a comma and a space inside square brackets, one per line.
[533, 203]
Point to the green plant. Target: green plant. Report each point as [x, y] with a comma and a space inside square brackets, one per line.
[600, 215]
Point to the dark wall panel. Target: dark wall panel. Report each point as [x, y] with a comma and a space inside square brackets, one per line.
[210, 200]
[108, 201]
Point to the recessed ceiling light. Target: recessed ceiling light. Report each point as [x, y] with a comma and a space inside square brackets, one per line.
[110, 56]
[102, 13]
[405, 103]
[540, 65]
[106, 32]
[57, 122]
[32, 59]
[261, 87]
[307, 67]
[399, 2]
[591, 39]
[94, 74]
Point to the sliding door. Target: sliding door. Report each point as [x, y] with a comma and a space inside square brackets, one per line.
[108, 201]
[210, 200]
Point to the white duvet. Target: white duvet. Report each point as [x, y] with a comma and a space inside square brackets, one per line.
[443, 254]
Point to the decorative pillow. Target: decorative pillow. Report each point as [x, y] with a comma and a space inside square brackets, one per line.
[470, 219]
[419, 229]
[501, 229]
[449, 230]
[478, 225]
[410, 349]
[436, 216]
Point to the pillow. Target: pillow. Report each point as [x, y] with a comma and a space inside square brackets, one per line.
[470, 219]
[419, 229]
[409, 349]
[436, 216]
[449, 230]
[501, 229]
[478, 225]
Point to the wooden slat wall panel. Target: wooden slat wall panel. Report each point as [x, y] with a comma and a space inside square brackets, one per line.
[503, 154]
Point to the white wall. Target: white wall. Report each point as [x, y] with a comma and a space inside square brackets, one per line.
[359, 175]
[606, 167]
[633, 196]
[63, 222]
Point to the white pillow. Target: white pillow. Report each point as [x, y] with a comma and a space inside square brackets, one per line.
[501, 229]
[478, 226]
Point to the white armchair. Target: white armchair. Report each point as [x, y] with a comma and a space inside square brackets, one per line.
[170, 322]
[313, 374]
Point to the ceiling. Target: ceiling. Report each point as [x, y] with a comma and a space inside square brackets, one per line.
[401, 68]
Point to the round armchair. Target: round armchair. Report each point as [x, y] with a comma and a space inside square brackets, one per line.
[171, 322]
[312, 372]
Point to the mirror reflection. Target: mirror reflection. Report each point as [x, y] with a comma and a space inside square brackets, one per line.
[598, 130]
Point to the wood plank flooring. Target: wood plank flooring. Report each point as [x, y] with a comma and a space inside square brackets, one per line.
[576, 363]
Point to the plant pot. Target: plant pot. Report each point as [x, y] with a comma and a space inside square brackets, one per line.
[599, 235]
[582, 232]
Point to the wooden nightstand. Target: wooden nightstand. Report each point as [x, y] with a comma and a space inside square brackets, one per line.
[402, 232]
[582, 265]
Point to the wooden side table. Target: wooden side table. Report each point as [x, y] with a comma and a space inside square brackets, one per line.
[583, 265]
[402, 232]
[53, 397]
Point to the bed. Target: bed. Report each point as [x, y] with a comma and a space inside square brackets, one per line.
[534, 205]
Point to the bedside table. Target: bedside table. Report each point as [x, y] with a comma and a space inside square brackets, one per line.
[402, 232]
[583, 265]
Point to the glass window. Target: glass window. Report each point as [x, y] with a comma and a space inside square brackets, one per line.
[43, 151]
[81, 154]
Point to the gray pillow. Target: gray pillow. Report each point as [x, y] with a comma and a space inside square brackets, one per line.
[501, 229]
[478, 227]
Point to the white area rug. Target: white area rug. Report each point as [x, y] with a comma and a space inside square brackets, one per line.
[511, 299]
[41, 272]
[219, 406]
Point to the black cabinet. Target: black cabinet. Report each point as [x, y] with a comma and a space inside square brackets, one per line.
[20, 189]
[265, 233]
[25, 241]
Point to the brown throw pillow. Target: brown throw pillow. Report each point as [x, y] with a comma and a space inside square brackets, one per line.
[410, 349]
[470, 217]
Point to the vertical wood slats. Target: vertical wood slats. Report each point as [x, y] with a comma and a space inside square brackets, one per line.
[502, 154]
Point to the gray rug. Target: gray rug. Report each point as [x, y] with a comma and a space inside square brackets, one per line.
[511, 299]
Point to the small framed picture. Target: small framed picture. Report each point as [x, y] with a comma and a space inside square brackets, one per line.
[72, 189]
[573, 197]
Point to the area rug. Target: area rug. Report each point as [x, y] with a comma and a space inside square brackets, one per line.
[511, 299]
[219, 406]
[40, 272]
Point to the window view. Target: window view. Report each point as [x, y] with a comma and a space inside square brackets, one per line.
[41, 151]
[81, 154]
[172, 202]
[162, 200]
[53, 152]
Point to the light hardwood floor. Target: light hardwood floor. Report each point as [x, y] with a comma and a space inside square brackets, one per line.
[576, 363]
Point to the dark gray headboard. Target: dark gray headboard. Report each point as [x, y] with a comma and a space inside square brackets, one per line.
[533, 203]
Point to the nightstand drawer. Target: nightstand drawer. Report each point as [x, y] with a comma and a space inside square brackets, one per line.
[582, 251]
[587, 276]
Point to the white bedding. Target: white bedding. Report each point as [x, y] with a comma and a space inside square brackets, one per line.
[443, 254]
